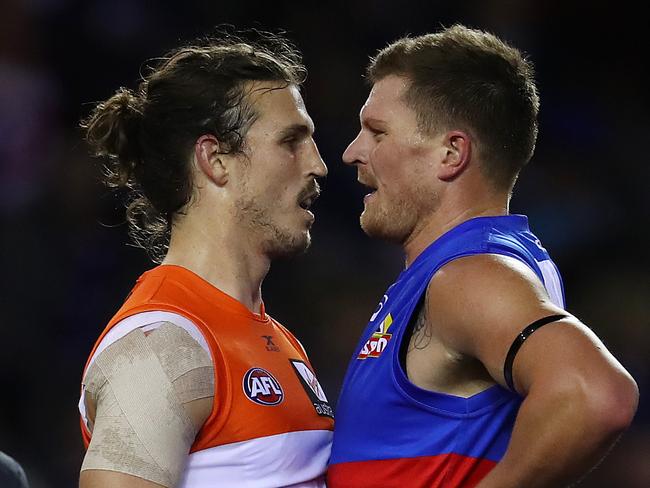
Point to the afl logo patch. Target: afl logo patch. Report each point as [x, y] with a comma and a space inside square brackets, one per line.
[262, 388]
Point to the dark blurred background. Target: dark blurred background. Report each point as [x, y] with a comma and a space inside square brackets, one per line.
[65, 259]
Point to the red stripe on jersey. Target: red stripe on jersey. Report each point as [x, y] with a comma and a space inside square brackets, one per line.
[441, 471]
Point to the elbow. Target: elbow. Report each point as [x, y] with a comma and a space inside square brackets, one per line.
[613, 404]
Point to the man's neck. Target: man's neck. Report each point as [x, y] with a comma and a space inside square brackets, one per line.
[443, 220]
[224, 259]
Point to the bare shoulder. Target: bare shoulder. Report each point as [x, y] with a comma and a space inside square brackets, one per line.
[483, 302]
[486, 274]
[486, 294]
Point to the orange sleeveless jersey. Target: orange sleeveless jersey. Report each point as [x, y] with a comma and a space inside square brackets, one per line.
[265, 388]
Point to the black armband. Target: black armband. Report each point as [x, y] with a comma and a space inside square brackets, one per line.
[516, 344]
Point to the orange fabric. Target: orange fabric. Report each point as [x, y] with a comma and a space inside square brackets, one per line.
[238, 342]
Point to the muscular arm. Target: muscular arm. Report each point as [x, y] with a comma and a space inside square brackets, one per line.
[577, 397]
[147, 397]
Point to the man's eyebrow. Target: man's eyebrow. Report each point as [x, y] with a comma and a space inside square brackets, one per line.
[297, 130]
[372, 121]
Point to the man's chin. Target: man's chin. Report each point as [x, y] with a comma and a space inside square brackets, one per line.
[289, 246]
[379, 229]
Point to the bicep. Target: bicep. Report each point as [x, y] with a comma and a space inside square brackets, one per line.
[156, 393]
[486, 301]
[566, 355]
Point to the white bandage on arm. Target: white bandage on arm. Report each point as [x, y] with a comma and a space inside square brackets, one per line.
[139, 385]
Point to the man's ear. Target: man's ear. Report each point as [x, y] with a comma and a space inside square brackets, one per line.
[209, 159]
[458, 151]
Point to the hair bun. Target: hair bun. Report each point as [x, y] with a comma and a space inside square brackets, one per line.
[113, 130]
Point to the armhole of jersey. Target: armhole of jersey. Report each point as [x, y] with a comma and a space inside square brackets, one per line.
[547, 273]
[405, 338]
[147, 321]
[301, 347]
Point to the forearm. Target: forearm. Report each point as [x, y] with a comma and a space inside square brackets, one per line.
[557, 438]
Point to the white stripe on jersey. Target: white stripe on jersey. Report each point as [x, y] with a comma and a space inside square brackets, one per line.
[263, 462]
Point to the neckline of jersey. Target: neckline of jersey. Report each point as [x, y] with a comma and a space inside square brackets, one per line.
[511, 221]
[225, 300]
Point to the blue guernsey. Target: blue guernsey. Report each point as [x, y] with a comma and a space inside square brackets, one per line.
[391, 433]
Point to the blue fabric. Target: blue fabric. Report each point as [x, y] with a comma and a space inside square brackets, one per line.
[381, 414]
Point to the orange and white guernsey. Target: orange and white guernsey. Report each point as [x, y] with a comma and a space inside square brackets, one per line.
[271, 424]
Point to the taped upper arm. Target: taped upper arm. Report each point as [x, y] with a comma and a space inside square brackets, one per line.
[151, 394]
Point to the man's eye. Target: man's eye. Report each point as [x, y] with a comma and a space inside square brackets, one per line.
[291, 143]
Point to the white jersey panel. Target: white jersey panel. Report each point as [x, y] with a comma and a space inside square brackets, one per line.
[552, 282]
[293, 459]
